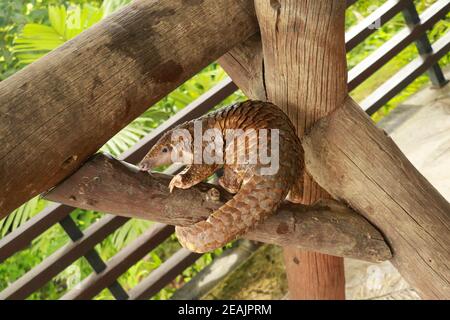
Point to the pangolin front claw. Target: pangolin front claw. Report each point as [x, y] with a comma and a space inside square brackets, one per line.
[176, 182]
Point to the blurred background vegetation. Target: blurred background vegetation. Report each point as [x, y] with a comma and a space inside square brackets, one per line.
[31, 28]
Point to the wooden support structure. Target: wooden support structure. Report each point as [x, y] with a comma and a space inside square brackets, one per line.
[100, 81]
[249, 54]
[291, 75]
[305, 74]
[151, 48]
[108, 185]
[358, 162]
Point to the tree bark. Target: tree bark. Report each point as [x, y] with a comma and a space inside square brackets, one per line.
[357, 162]
[315, 266]
[108, 185]
[61, 109]
[245, 64]
[305, 74]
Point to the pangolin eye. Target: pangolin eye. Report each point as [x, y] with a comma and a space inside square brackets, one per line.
[165, 149]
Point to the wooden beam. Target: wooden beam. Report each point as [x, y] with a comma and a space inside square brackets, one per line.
[305, 74]
[61, 109]
[358, 162]
[108, 185]
[245, 64]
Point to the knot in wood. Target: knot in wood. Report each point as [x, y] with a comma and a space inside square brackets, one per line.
[213, 194]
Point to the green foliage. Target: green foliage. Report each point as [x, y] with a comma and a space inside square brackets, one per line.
[37, 39]
[21, 214]
[362, 9]
[15, 14]
[30, 29]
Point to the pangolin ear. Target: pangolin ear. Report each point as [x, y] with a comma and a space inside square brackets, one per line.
[174, 147]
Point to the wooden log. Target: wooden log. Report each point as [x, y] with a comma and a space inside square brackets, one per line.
[108, 185]
[61, 109]
[244, 64]
[355, 161]
[305, 74]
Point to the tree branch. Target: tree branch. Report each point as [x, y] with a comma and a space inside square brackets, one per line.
[108, 185]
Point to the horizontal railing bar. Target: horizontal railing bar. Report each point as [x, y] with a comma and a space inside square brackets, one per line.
[121, 262]
[165, 273]
[362, 30]
[63, 257]
[22, 236]
[17, 240]
[405, 76]
[396, 44]
[92, 256]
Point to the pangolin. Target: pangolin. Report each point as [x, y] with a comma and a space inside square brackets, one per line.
[257, 195]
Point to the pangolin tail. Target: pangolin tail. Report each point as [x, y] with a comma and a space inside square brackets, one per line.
[255, 201]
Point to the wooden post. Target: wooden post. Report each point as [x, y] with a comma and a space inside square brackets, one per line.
[306, 75]
[61, 109]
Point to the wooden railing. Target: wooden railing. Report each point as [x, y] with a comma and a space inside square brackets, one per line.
[83, 242]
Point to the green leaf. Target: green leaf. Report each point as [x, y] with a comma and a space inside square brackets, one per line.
[129, 232]
[22, 214]
[58, 17]
[36, 40]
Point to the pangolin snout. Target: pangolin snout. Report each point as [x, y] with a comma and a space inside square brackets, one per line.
[144, 165]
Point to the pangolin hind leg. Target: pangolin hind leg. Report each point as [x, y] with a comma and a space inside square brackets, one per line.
[230, 180]
[295, 194]
[192, 175]
[255, 201]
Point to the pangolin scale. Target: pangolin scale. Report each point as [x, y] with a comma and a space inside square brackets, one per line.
[258, 195]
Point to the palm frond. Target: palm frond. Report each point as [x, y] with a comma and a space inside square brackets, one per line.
[126, 138]
[128, 232]
[21, 215]
[36, 40]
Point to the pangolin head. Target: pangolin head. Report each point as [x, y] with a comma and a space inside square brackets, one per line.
[169, 148]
